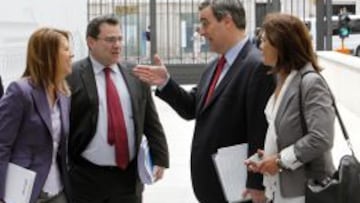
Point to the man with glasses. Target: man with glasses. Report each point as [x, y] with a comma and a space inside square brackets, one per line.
[110, 112]
[228, 102]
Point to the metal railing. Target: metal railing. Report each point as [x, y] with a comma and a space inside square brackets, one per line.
[172, 25]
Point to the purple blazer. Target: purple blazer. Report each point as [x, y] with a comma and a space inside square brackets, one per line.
[25, 133]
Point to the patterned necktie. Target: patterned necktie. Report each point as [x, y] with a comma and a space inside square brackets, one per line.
[116, 124]
[219, 67]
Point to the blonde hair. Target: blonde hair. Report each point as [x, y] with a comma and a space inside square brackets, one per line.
[42, 60]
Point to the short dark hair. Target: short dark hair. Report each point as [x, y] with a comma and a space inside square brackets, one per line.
[221, 8]
[93, 28]
[289, 35]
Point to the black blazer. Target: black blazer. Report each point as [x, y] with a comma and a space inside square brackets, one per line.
[84, 112]
[235, 114]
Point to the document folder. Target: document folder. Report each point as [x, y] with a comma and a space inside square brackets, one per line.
[18, 184]
[231, 170]
[145, 165]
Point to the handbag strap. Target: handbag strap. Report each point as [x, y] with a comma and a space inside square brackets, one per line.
[302, 117]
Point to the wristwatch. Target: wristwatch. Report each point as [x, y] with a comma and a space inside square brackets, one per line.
[279, 163]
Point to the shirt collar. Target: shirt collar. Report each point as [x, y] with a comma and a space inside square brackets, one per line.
[98, 67]
[234, 51]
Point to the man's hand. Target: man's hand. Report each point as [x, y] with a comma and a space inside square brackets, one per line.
[153, 75]
[257, 196]
[158, 172]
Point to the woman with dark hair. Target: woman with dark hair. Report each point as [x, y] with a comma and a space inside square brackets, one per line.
[34, 117]
[292, 154]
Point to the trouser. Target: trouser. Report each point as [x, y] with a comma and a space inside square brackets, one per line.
[104, 184]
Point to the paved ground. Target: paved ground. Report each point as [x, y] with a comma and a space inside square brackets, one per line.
[176, 185]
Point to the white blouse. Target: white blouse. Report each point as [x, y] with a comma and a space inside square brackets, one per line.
[53, 184]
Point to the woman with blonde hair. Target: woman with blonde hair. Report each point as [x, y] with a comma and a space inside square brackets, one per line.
[293, 153]
[34, 117]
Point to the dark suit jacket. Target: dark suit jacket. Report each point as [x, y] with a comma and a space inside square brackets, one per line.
[1, 88]
[84, 113]
[235, 114]
[25, 133]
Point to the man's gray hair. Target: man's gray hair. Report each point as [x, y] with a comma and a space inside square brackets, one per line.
[221, 8]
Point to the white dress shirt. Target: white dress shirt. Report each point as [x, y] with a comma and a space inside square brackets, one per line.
[99, 151]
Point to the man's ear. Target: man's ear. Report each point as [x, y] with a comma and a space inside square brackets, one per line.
[90, 42]
[228, 20]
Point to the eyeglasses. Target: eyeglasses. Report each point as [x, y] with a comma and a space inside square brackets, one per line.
[111, 40]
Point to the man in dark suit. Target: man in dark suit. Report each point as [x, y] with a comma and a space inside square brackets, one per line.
[104, 168]
[228, 104]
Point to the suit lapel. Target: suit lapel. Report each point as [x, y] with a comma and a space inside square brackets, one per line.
[205, 86]
[133, 89]
[64, 104]
[292, 91]
[64, 113]
[131, 86]
[88, 78]
[232, 71]
[288, 95]
[42, 106]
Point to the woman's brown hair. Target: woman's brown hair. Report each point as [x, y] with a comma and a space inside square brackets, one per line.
[42, 61]
[289, 35]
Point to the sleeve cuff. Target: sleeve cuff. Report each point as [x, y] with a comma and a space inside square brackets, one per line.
[161, 87]
[288, 158]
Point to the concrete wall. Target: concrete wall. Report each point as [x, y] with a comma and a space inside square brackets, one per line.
[342, 72]
[343, 75]
[19, 18]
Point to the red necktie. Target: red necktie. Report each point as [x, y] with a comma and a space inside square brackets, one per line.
[219, 67]
[116, 124]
